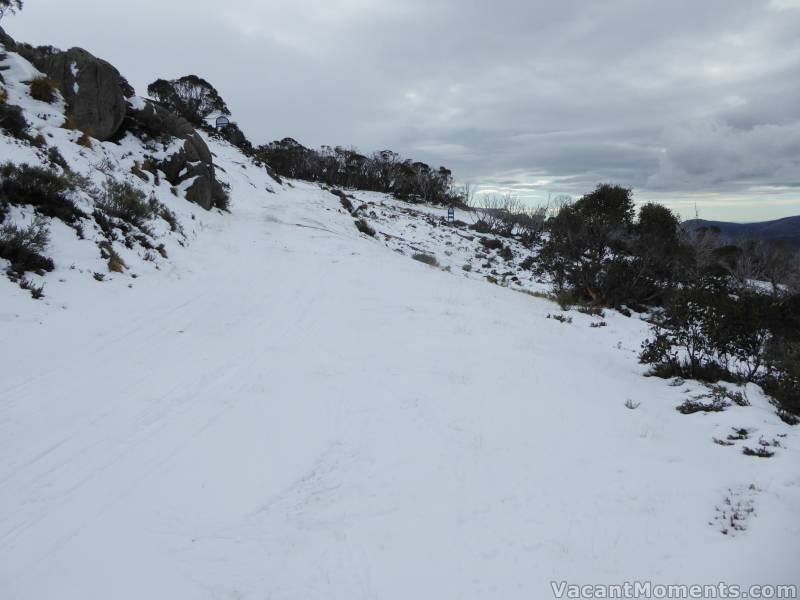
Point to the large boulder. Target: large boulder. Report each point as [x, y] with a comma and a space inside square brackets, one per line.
[95, 92]
[192, 161]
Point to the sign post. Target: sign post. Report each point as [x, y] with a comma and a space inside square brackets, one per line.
[451, 215]
[222, 122]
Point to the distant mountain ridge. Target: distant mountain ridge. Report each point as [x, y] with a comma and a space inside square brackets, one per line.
[786, 230]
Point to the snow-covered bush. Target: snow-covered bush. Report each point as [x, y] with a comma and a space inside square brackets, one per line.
[127, 203]
[712, 331]
[23, 248]
[46, 191]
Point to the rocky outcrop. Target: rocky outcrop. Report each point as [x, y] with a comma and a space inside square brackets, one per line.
[97, 102]
[192, 161]
[93, 89]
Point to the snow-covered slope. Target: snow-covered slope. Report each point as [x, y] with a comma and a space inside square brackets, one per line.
[288, 409]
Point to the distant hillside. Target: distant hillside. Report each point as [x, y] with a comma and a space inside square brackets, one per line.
[786, 230]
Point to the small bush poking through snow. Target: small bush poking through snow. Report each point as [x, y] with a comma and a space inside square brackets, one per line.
[428, 259]
[13, 122]
[695, 405]
[364, 228]
[491, 243]
[84, 140]
[37, 291]
[23, 248]
[760, 452]
[44, 89]
[44, 190]
[560, 318]
[127, 203]
[114, 260]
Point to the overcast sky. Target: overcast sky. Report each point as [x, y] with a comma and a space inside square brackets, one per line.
[686, 101]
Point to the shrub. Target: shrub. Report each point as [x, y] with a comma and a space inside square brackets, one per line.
[528, 263]
[491, 243]
[84, 140]
[383, 171]
[428, 259]
[364, 227]
[127, 203]
[708, 332]
[114, 260]
[69, 122]
[713, 331]
[760, 452]
[560, 318]
[782, 379]
[23, 247]
[695, 405]
[37, 291]
[55, 157]
[12, 121]
[45, 190]
[44, 89]
[170, 218]
[481, 226]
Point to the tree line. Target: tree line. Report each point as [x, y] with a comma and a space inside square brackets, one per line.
[721, 309]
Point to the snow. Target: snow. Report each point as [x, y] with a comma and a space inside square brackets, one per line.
[73, 68]
[137, 103]
[286, 408]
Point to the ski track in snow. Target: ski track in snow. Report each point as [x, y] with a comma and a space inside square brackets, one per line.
[287, 409]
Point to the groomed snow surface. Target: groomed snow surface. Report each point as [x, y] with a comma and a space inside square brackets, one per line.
[288, 409]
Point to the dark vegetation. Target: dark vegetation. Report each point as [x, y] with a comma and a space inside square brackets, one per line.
[129, 204]
[46, 191]
[384, 171]
[428, 259]
[364, 227]
[191, 97]
[711, 322]
[12, 121]
[23, 248]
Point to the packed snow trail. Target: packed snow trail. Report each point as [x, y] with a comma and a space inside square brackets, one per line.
[291, 410]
